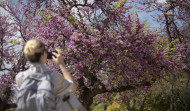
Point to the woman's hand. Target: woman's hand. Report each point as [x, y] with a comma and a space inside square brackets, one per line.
[58, 57]
[59, 60]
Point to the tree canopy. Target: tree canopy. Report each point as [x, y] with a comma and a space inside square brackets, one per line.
[105, 46]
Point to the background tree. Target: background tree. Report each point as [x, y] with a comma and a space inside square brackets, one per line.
[11, 58]
[174, 16]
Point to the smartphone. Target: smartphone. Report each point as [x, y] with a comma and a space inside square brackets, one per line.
[50, 54]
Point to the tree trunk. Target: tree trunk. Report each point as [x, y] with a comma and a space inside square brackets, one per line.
[86, 95]
[4, 103]
[86, 99]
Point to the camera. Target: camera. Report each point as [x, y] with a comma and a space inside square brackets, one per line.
[50, 54]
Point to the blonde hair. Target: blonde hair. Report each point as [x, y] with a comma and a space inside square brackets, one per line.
[33, 50]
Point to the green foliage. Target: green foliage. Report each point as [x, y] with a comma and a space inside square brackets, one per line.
[114, 107]
[99, 107]
[158, 98]
[119, 4]
[14, 41]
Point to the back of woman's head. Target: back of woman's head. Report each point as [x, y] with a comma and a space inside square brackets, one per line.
[33, 50]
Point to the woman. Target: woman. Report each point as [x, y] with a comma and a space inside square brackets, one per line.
[63, 84]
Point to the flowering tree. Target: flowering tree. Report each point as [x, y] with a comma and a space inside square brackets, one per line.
[11, 59]
[174, 17]
[105, 47]
[6, 58]
[174, 14]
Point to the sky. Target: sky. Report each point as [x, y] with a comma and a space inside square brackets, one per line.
[2, 11]
[146, 16]
[161, 1]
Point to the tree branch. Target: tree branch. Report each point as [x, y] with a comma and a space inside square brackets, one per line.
[128, 87]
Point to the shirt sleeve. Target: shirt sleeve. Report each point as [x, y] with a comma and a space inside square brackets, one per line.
[61, 85]
[18, 79]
